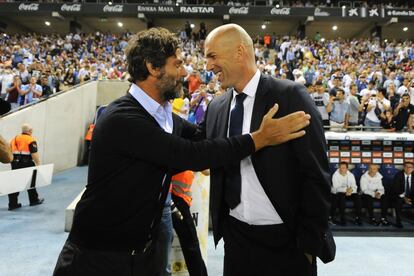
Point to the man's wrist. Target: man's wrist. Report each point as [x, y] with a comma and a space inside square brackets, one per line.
[257, 140]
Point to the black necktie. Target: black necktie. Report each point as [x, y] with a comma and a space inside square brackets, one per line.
[233, 183]
[407, 186]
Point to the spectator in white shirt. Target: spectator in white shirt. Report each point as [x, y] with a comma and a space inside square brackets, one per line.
[373, 190]
[344, 187]
[404, 87]
[369, 91]
[376, 106]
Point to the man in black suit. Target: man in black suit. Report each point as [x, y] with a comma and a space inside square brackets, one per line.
[137, 145]
[402, 189]
[272, 207]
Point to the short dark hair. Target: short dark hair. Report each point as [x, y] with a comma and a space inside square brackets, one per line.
[154, 46]
[343, 163]
[382, 90]
[372, 82]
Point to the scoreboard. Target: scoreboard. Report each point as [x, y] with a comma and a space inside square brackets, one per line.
[370, 147]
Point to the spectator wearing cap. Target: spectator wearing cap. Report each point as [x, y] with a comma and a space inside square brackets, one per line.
[321, 99]
[337, 107]
[403, 112]
[376, 106]
[351, 117]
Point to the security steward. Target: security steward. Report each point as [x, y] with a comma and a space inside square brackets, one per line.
[24, 149]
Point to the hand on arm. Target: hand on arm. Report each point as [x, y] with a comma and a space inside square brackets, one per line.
[277, 131]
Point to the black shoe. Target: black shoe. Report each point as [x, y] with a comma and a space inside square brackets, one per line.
[399, 225]
[357, 221]
[373, 221]
[384, 222]
[38, 202]
[19, 205]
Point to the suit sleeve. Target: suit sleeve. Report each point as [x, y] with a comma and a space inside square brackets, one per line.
[313, 166]
[146, 141]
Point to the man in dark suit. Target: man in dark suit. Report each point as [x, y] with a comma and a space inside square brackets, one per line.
[272, 207]
[137, 145]
[402, 189]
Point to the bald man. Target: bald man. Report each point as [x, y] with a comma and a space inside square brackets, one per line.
[24, 148]
[272, 207]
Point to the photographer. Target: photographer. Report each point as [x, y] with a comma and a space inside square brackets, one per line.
[338, 107]
[198, 104]
[403, 112]
[376, 106]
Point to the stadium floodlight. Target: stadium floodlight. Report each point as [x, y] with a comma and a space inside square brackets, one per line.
[226, 17]
[334, 27]
[344, 7]
[385, 40]
[110, 3]
[263, 26]
[405, 29]
[192, 26]
[120, 24]
[277, 6]
[47, 23]
[322, 39]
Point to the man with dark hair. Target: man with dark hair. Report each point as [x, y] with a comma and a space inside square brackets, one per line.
[138, 144]
[403, 112]
[343, 187]
[403, 190]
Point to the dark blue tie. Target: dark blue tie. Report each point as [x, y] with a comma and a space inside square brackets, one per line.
[407, 186]
[233, 183]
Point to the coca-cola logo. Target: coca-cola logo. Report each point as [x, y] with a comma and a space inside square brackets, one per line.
[241, 10]
[282, 11]
[115, 8]
[71, 8]
[29, 7]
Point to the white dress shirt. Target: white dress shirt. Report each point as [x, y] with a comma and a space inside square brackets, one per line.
[255, 207]
[405, 184]
[161, 113]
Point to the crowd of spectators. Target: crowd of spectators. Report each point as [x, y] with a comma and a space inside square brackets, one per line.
[280, 3]
[359, 82]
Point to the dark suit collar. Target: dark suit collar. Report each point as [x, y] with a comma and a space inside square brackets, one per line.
[260, 104]
[224, 110]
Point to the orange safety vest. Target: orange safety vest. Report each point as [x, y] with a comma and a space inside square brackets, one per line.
[88, 136]
[181, 185]
[20, 144]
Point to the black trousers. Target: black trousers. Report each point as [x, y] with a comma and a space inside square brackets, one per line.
[33, 195]
[369, 200]
[398, 202]
[255, 250]
[338, 201]
[187, 235]
[76, 261]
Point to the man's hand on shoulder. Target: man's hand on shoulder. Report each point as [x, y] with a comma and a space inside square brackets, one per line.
[277, 131]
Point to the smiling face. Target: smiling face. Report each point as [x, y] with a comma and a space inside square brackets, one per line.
[220, 59]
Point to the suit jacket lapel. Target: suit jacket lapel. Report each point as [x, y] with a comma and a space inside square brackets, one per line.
[223, 116]
[259, 107]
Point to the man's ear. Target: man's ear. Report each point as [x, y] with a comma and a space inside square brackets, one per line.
[153, 71]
